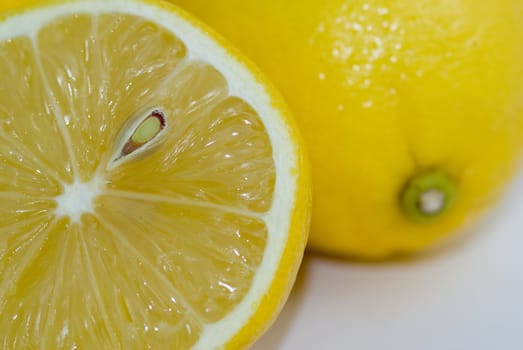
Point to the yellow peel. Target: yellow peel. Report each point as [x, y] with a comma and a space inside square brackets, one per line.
[386, 90]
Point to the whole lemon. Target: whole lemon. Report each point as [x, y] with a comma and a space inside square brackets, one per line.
[412, 110]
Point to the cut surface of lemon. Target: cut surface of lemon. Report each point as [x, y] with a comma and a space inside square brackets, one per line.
[153, 191]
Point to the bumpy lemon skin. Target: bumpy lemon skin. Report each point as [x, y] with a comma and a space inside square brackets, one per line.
[386, 89]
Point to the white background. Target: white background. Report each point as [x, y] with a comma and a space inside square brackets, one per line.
[468, 295]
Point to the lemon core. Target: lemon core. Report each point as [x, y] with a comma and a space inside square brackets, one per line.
[77, 199]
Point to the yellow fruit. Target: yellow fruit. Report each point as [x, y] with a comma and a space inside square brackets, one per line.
[153, 190]
[412, 110]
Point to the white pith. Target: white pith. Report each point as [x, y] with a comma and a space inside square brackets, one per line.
[77, 197]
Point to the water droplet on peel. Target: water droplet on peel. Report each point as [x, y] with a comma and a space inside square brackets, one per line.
[368, 104]
[394, 26]
[382, 11]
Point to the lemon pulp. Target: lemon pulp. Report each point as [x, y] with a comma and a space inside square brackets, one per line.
[139, 252]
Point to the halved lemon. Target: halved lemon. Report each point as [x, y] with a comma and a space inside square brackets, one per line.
[153, 189]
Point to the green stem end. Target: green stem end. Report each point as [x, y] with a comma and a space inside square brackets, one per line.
[427, 196]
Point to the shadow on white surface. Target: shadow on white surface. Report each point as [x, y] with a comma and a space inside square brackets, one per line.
[464, 295]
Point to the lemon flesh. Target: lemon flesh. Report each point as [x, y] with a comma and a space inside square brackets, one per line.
[165, 246]
[385, 91]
